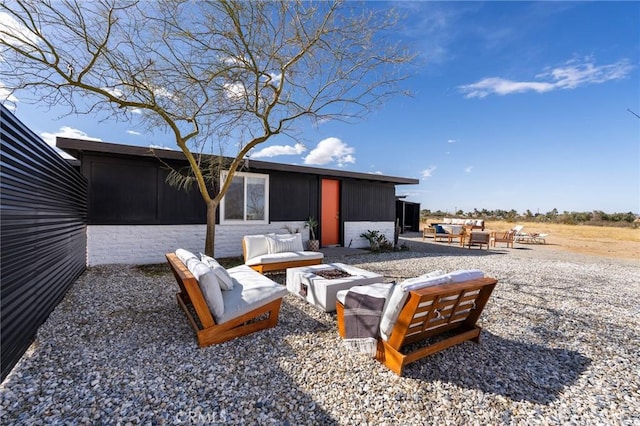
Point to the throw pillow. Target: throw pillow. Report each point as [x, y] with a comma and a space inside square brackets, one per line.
[282, 243]
[440, 229]
[210, 289]
[208, 284]
[225, 280]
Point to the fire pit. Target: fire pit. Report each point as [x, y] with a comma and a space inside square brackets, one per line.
[332, 274]
[319, 284]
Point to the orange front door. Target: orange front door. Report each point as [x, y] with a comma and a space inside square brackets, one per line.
[330, 217]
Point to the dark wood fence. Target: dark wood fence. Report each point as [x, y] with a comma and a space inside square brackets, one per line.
[43, 211]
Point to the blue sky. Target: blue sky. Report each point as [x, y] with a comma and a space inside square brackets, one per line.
[516, 105]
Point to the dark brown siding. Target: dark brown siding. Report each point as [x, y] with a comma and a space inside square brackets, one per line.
[43, 234]
[368, 201]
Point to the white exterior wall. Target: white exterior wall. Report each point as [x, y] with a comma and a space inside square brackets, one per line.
[352, 231]
[147, 244]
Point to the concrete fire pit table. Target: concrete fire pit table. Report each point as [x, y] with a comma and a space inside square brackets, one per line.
[305, 282]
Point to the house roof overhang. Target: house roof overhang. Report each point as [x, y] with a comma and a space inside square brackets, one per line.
[76, 148]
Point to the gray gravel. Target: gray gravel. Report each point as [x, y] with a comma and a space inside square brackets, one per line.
[560, 345]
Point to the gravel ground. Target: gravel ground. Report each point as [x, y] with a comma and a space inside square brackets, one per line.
[559, 346]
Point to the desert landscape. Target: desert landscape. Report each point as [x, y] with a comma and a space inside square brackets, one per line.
[605, 241]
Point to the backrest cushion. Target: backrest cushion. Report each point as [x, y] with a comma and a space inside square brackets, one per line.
[282, 243]
[224, 279]
[255, 245]
[465, 275]
[209, 286]
[398, 298]
[184, 255]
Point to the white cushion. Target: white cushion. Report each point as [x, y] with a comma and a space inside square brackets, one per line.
[209, 286]
[255, 245]
[250, 291]
[282, 243]
[184, 255]
[425, 282]
[398, 298]
[379, 290]
[284, 257]
[226, 283]
[465, 275]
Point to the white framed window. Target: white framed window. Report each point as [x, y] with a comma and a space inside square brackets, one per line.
[246, 200]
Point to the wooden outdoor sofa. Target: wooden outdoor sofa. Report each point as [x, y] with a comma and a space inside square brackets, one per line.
[448, 310]
[253, 304]
[275, 252]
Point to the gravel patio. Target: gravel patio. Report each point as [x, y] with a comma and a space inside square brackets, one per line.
[559, 346]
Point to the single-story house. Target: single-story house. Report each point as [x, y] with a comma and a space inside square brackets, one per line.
[135, 216]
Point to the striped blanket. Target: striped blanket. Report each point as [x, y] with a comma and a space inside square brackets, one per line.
[362, 315]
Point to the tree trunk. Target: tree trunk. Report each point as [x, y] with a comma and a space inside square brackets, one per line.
[210, 239]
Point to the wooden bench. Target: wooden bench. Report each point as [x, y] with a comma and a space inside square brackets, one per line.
[207, 331]
[452, 308]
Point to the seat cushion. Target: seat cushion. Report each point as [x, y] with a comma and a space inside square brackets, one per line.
[251, 290]
[283, 257]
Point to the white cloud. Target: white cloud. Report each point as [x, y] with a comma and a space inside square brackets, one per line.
[427, 173]
[235, 91]
[328, 150]
[468, 169]
[18, 34]
[65, 132]
[275, 150]
[377, 172]
[133, 132]
[572, 75]
[451, 141]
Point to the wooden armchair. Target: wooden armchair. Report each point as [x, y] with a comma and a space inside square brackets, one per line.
[475, 239]
[503, 237]
[258, 316]
[429, 313]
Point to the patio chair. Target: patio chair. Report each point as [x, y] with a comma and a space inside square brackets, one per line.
[518, 234]
[252, 304]
[503, 237]
[475, 239]
[424, 315]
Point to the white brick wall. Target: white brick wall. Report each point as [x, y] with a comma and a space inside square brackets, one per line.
[352, 231]
[146, 244]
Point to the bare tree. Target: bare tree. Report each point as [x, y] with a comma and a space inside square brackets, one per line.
[220, 76]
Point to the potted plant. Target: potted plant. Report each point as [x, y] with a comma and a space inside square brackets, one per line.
[312, 224]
